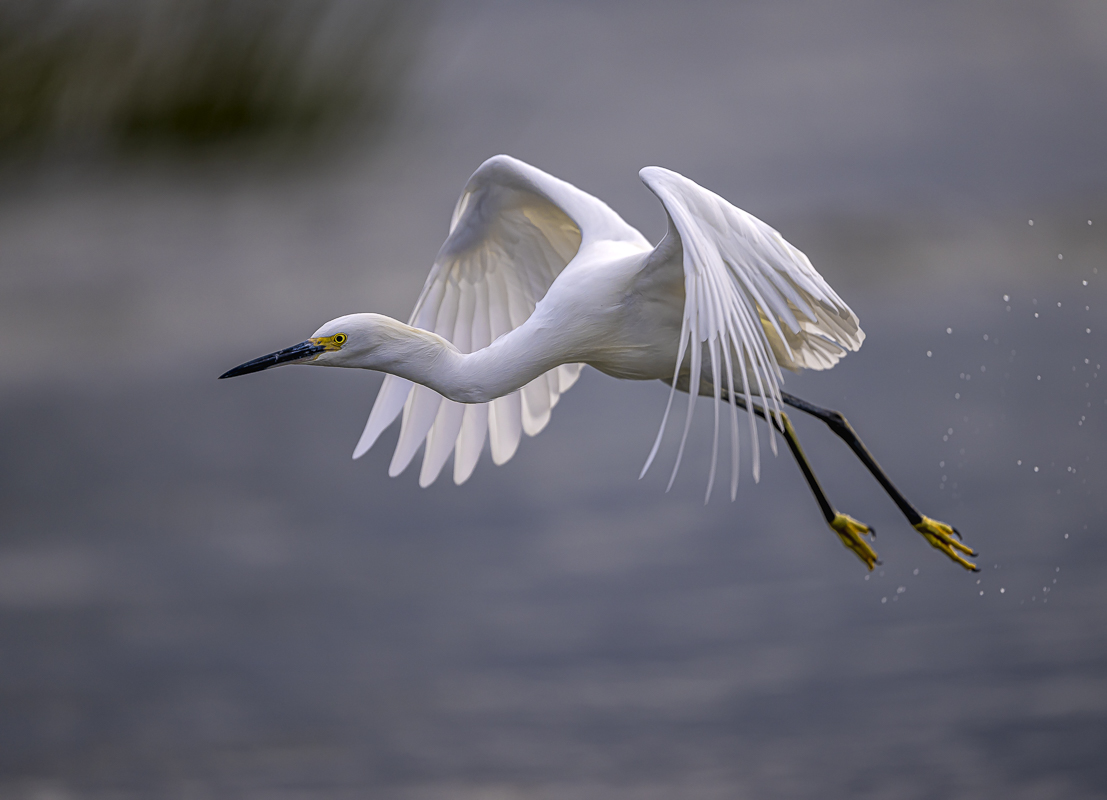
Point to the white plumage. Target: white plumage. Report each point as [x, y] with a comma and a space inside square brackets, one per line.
[754, 302]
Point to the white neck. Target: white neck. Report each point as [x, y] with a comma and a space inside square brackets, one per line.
[512, 361]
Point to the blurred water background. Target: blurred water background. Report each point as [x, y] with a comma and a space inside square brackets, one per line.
[202, 596]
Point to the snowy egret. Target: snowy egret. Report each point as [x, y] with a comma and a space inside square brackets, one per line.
[537, 278]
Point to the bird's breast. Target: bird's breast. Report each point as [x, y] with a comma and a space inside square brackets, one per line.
[640, 341]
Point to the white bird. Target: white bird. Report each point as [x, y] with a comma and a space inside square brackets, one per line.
[537, 278]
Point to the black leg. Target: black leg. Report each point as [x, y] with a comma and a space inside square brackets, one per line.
[849, 530]
[845, 431]
[937, 533]
[940, 535]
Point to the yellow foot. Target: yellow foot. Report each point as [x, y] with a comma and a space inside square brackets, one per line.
[850, 532]
[941, 536]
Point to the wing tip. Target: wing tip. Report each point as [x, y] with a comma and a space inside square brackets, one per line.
[651, 174]
[500, 160]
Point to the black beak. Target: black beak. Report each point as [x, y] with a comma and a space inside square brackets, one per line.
[297, 352]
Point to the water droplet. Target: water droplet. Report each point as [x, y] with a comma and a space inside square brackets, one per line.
[1035, 469]
[1006, 298]
[929, 354]
[1002, 590]
[1059, 257]
[949, 330]
[1030, 221]
[916, 572]
[883, 599]
[1020, 462]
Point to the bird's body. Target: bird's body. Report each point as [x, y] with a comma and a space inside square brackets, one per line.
[537, 278]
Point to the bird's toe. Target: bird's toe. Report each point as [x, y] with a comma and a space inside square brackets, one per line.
[941, 536]
[852, 534]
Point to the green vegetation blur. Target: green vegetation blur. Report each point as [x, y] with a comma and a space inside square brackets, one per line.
[182, 76]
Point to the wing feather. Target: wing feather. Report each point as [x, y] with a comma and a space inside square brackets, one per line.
[753, 304]
[389, 403]
[441, 440]
[537, 402]
[419, 413]
[513, 230]
[567, 375]
[470, 441]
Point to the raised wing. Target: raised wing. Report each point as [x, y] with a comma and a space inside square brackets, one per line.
[753, 302]
[514, 230]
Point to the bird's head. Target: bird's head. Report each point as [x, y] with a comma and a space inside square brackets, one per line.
[348, 341]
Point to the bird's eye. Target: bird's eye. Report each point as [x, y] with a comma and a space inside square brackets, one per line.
[340, 338]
